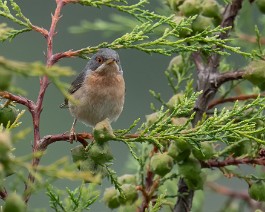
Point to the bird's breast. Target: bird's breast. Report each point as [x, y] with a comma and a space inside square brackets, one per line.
[109, 87]
[100, 97]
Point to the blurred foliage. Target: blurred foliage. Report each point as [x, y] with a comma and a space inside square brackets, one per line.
[77, 200]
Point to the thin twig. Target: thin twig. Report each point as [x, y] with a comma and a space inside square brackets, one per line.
[19, 99]
[41, 30]
[231, 193]
[233, 99]
[229, 76]
[70, 53]
[148, 185]
[233, 161]
[250, 38]
[143, 191]
[49, 139]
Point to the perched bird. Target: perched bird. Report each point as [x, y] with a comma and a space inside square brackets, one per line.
[98, 91]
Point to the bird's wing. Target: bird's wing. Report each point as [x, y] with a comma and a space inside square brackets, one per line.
[75, 85]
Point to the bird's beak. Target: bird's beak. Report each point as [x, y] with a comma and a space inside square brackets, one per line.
[110, 64]
[111, 60]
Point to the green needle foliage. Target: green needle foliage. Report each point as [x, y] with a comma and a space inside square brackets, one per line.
[79, 199]
[17, 17]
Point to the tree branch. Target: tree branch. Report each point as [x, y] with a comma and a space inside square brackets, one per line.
[41, 30]
[250, 38]
[149, 183]
[235, 194]
[44, 82]
[233, 99]
[233, 161]
[229, 76]
[207, 82]
[49, 139]
[70, 53]
[19, 99]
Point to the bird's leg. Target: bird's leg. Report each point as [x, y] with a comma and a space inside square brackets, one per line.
[72, 135]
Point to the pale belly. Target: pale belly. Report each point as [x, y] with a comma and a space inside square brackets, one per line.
[93, 107]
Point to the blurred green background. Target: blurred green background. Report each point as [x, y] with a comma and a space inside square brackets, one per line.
[141, 71]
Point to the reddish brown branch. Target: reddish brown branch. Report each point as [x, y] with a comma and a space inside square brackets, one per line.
[41, 30]
[250, 38]
[233, 99]
[19, 99]
[70, 53]
[148, 184]
[44, 82]
[233, 161]
[234, 194]
[144, 193]
[49, 139]
[227, 191]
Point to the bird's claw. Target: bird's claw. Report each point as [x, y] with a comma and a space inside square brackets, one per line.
[72, 135]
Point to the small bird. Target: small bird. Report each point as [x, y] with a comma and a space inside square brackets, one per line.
[98, 91]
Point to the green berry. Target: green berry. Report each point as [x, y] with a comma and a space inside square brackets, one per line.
[178, 154]
[174, 100]
[179, 121]
[103, 131]
[7, 114]
[100, 152]
[111, 198]
[190, 7]
[175, 61]
[96, 170]
[127, 179]
[14, 203]
[211, 8]
[130, 194]
[182, 145]
[195, 182]
[190, 167]
[183, 32]
[78, 153]
[205, 152]
[255, 73]
[190, 170]
[92, 167]
[161, 164]
[201, 23]
[256, 191]
[151, 118]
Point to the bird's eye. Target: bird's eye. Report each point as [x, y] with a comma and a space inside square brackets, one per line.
[99, 59]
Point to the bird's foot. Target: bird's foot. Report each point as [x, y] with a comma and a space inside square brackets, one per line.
[72, 135]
